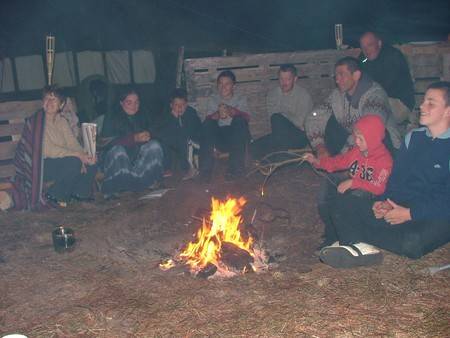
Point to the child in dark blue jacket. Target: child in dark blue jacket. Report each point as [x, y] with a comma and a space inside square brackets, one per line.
[180, 126]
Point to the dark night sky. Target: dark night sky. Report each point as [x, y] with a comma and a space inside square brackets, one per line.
[237, 25]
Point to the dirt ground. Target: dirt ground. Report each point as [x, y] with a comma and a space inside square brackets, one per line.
[110, 285]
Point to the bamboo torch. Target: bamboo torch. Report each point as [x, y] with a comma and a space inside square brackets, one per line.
[50, 53]
[338, 35]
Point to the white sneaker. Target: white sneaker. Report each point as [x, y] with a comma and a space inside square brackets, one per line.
[350, 256]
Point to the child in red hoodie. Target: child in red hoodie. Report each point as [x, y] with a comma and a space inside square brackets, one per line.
[369, 162]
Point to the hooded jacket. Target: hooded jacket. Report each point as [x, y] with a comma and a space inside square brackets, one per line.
[370, 172]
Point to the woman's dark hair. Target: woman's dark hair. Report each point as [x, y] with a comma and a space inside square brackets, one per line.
[117, 123]
[129, 91]
[54, 90]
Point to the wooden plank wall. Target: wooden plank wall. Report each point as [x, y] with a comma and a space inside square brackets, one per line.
[428, 63]
[257, 73]
[12, 116]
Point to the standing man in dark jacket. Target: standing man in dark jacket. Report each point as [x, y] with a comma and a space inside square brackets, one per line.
[387, 66]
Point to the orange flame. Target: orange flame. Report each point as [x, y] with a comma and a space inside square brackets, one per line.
[223, 227]
[167, 264]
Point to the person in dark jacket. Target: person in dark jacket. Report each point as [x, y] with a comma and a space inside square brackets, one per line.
[133, 160]
[412, 217]
[180, 126]
[387, 66]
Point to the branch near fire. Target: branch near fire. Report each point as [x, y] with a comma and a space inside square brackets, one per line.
[269, 164]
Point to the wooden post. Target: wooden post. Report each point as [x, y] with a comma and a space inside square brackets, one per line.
[179, 67]
[446, 67]
[338, 36]
[50, 53]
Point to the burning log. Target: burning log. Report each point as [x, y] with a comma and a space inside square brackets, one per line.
[209, 270]
[236, 258]
[223, 246]
[252, 231]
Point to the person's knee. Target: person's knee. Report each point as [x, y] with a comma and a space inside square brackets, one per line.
[153, 148]
[276, 123]
[275, 118]
[153, 152]
[117, 150]
[73, 164]
[412, 246]
[420, 242]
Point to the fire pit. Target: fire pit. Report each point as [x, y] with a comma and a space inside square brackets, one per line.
[224, 246]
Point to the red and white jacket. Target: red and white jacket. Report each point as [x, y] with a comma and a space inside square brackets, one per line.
[371, 172]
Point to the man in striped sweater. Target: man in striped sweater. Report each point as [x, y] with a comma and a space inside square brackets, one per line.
[329, 126]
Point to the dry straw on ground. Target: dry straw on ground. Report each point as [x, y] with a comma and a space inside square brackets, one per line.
[110, 286]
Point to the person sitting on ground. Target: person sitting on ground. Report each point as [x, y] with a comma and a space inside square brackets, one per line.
[225, 127]
[133, 160]
[387, 66]
[179, 127]
[328, 127]
[412, 217]
[48, 144]
[369, 165]
[288, 104]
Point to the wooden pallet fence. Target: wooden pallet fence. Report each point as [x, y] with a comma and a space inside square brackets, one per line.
[12, 117]
[256, 74]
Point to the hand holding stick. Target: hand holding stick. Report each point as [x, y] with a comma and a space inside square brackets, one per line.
[310, 158]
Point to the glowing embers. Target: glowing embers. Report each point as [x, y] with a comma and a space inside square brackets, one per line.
[223, 246]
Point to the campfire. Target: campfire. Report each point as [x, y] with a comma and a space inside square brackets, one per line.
[223, 245]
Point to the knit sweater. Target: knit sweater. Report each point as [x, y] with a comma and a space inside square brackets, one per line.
[420, 178]
[391, 71]
[368, 171]
[368, 98]
[294, 105]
